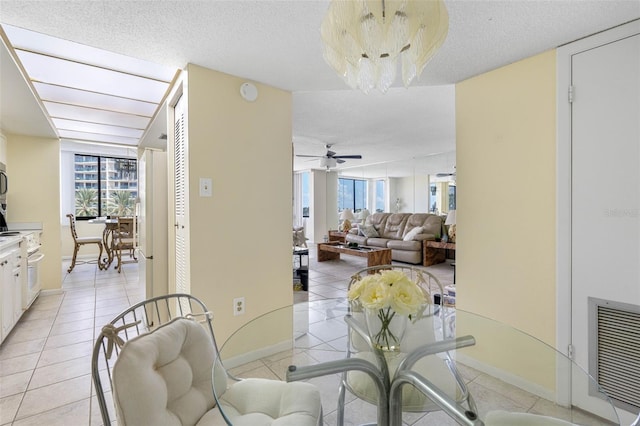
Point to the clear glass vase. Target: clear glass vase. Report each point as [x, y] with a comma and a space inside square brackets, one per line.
[386, 328]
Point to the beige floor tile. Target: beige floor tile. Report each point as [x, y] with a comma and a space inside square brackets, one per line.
[18, 364]
[47, 398]
[77, 305]
[488, 400]
[45, 303]
[14, 383]
[107, 303]
[9, 408]
[65, 353]
[33, 314]
[60, 340]
[513, 393]
[75, 413]
[28, 331]
[8, 350]
[112, 310]
[69, 327]
[48, 375]
[80, 295]
[65, 317]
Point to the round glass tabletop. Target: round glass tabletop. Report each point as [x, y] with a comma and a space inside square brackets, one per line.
[451, 367]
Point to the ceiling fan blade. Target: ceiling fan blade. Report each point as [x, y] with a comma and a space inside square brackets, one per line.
[348, 156]
[339, 161]
[330, 154]
[314, 156]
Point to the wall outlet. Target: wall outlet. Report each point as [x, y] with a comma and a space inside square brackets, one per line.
[238, 306]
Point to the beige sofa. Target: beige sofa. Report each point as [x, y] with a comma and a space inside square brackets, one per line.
[403, 233]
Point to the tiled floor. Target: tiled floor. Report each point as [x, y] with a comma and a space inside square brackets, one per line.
[45, 362]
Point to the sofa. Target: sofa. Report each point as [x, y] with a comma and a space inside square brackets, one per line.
[403, 233]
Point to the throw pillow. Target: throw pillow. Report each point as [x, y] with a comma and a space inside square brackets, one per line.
[369, 231]
[412, 234]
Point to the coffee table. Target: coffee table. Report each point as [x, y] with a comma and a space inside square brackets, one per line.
[375, 255]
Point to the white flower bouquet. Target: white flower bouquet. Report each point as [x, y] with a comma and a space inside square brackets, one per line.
[388, 295]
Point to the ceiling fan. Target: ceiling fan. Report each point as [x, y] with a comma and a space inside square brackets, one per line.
[442, 175]
[330, 159]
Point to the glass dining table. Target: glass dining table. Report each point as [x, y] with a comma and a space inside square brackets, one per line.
[452, 367]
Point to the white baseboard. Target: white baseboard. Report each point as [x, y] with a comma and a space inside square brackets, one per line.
[51, 292]
[507, 377]
[258, 354]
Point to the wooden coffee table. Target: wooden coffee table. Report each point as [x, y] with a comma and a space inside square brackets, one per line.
[375, 256]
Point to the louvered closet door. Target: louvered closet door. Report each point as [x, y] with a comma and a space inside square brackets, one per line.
[605, 203]
[181, 201]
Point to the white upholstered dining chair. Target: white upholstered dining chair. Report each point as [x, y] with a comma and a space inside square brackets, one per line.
[152, 365]
[82, 241]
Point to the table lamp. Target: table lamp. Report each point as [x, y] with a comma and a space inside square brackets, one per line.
[346, 216]
[451, 222]
[364, 213]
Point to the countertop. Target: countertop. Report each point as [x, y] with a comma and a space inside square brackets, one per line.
[10, 240]
[25, 228]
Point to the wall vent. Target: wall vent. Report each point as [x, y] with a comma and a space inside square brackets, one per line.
[614, 351]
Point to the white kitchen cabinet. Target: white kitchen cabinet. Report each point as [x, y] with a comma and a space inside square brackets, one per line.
[10, 288]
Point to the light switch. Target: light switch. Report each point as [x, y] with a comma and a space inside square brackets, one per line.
[205, 187]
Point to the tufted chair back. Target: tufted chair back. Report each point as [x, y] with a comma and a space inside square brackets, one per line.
[153, 364]
[175, 360]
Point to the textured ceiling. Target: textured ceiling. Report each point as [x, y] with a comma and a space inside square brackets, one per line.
[278, 43]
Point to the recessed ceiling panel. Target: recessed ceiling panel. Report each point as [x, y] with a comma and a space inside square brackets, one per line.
[52, 46]
[93, 137]
[86, 77]
[90, 115]
[82, 126]
[84, 98]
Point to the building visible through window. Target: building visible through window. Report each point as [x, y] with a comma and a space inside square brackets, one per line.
[380, 196]
[352, 194]
[105, 186]
[305, 194]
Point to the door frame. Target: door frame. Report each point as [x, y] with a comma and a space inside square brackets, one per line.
[563, 174]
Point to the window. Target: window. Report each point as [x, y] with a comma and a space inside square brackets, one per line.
[305, 194]
[104, 186]
[380, 196]
[352, 194]
[433, 204]
[452, 197]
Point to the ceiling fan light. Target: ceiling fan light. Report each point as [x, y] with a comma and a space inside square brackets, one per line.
[328, 162]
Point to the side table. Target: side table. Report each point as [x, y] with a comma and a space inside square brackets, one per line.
[435, 252]
[301, 267]
[335, 235]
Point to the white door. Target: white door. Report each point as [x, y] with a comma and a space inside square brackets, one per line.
[605, 199]
[181, 199]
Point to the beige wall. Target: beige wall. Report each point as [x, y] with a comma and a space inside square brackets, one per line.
[33, 166]
[240, 239]
[505, 126]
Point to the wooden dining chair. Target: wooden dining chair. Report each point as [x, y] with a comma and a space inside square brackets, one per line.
[124, 241]
[80, 241]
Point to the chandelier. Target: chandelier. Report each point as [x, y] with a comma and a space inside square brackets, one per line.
[365, 39]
